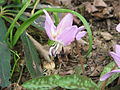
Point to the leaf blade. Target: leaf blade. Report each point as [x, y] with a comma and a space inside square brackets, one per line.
[107, 69]
[5, 57]
[68, 82]
[32, 60]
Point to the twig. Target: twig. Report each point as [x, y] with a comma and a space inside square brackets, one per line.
[80, 56]
[40, 48]
[21, 72]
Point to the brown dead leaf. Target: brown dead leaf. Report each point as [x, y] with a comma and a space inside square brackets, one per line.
[43, 52]
[66, 2]
[97, 71]
[99, 3]
[107, 36]
[59, 2]
[49, 65]
[116, 7]
[18, 88]
[90, 8]
[67, 72]
[107, 11]
[52, 2]
[104, 13]
[68, 49]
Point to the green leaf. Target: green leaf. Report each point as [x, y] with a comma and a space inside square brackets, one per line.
[5, 57]
[56, 18]
[3, 30]
[2, 1]
[10, 29]
[28, 22]
[4, 65]
[68, 82]
[51, 42]
[32, 60]
[107, 69]
[24, 18]
[16, 1]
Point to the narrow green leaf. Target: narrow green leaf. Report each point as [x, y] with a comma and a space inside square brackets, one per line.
[10, 30]
[26, 24]
[107, 69]
[68, 82]
[56, 18]
[30, 54]
[24, 18]
[16, 1]
[2, 1]
[4, 65]
[9, 20]
[32, 59]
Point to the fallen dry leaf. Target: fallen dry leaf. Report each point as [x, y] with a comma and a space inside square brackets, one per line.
[107, 36]
[90, 8]
[66, 2]
[40, 48]
[99, 3]
[97, 71]
[53, 2]
[116, 7]
[49, 65]
[107, 10]
[68, 49]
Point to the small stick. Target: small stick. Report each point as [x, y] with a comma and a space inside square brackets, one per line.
[80, 56]
[21, 72]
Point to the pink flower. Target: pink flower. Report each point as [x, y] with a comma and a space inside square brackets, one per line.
[65, 32]
[116, 57]
[118, 27]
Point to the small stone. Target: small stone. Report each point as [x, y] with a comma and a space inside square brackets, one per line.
[107, 36]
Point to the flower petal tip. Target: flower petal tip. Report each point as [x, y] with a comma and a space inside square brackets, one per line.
[118, 27]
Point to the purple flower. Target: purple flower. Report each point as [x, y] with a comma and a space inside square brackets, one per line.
[116, 57]
[65, 32]
[118, 27]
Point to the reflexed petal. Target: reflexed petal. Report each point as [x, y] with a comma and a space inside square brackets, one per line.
[117, 49]
[118, 27]
[80, 35]
[106, 76]
[49, 25]
[66, 22]
[81, 28]
[68, 35]
[116, 58]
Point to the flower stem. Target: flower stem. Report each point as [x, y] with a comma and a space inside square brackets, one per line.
[80, 56]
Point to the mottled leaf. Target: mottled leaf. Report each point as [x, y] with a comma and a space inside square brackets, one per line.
[107, 69]
[68, 82]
